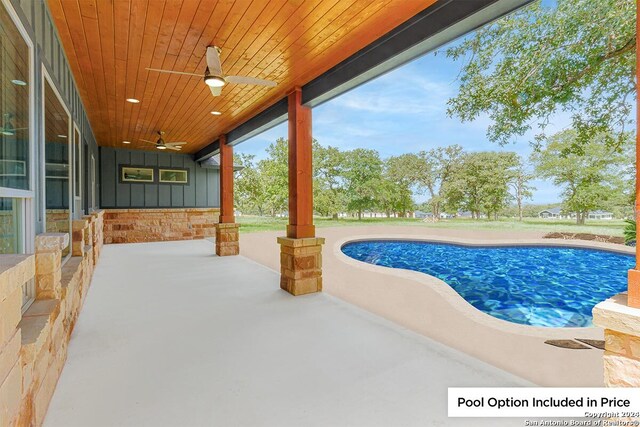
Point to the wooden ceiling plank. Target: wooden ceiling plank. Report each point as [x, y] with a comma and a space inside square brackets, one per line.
[88, 9]
[155, 48]
[228, 97]
[179, 41]
[232, 19]
[249, 22]
[313, 17]
[140, 11]
[106, 30]
[76, 42]
[288, 41]
[122, 13]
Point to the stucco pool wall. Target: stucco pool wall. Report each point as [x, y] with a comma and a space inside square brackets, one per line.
[428, 306]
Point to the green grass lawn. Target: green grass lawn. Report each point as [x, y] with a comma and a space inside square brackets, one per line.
[251, 224]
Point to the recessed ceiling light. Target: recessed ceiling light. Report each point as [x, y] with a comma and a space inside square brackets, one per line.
[133, 100]
[216, 113]
[126, 142]
[19, 82]
[62, 136]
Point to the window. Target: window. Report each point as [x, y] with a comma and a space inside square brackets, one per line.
[57, 150]
[77, 173]
[16, 142]
[15, 82]
[134, 174]
[93, 182]
[174, 176]
[77, 162]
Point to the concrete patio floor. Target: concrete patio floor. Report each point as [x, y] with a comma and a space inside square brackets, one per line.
[171, 335]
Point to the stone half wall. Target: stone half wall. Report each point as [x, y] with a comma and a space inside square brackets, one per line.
[156, 225]
[33, 344]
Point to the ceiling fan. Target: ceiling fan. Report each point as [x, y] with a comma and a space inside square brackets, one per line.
[162, 145]
[7, 128]
[214, 77]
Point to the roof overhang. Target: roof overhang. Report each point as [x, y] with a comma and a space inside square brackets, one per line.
[444, 21]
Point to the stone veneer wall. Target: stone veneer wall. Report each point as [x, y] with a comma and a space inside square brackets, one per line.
[33, 345]
[57, 221]
[155, 225]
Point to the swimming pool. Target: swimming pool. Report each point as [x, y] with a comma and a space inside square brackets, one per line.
[531, 285]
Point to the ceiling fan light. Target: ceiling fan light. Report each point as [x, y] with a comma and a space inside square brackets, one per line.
[214, 81]
[161, 147]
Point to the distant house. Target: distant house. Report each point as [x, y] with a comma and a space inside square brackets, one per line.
[600, 215]
[422, 215]
[554, 213]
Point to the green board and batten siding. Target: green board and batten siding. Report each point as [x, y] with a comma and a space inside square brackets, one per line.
[201, 191]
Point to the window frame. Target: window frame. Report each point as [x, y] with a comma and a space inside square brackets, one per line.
[46, 78]
[77, 169]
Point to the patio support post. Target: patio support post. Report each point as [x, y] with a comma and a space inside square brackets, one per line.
[300, 250]
[227, 238]
[620, 315]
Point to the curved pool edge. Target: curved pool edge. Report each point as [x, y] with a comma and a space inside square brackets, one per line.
[429, 306]
[455, 300]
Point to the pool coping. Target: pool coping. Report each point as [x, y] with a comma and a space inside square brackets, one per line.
[455, 299]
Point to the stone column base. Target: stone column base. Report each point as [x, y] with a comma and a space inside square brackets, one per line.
[301, 265]
[227, 239]
[621, 325]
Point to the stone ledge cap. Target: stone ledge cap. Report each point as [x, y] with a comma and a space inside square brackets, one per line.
[15, 270]
[307, 241]
[227, 225]
[49, 242]
[615, 314]
[79, 224]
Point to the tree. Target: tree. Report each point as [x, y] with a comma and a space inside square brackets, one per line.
[274, 173]
[591, 179]
[249, 194]
[576, 57]
[440, 165]
[519, 184]
[402, 174]
[328, 184]
[480, 183]
[363, 168]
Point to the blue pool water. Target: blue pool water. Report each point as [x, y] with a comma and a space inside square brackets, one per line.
[541, 286]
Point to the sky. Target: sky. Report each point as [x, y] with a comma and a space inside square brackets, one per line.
[405, 111]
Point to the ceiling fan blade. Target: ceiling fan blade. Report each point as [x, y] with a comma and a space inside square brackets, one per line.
[175, 143]
[216, 90]
[172, 148]
[213, 61]
[250, 81]
[173, 72]
[150, 142]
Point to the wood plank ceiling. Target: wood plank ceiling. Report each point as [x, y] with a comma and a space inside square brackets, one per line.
[109, 44]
